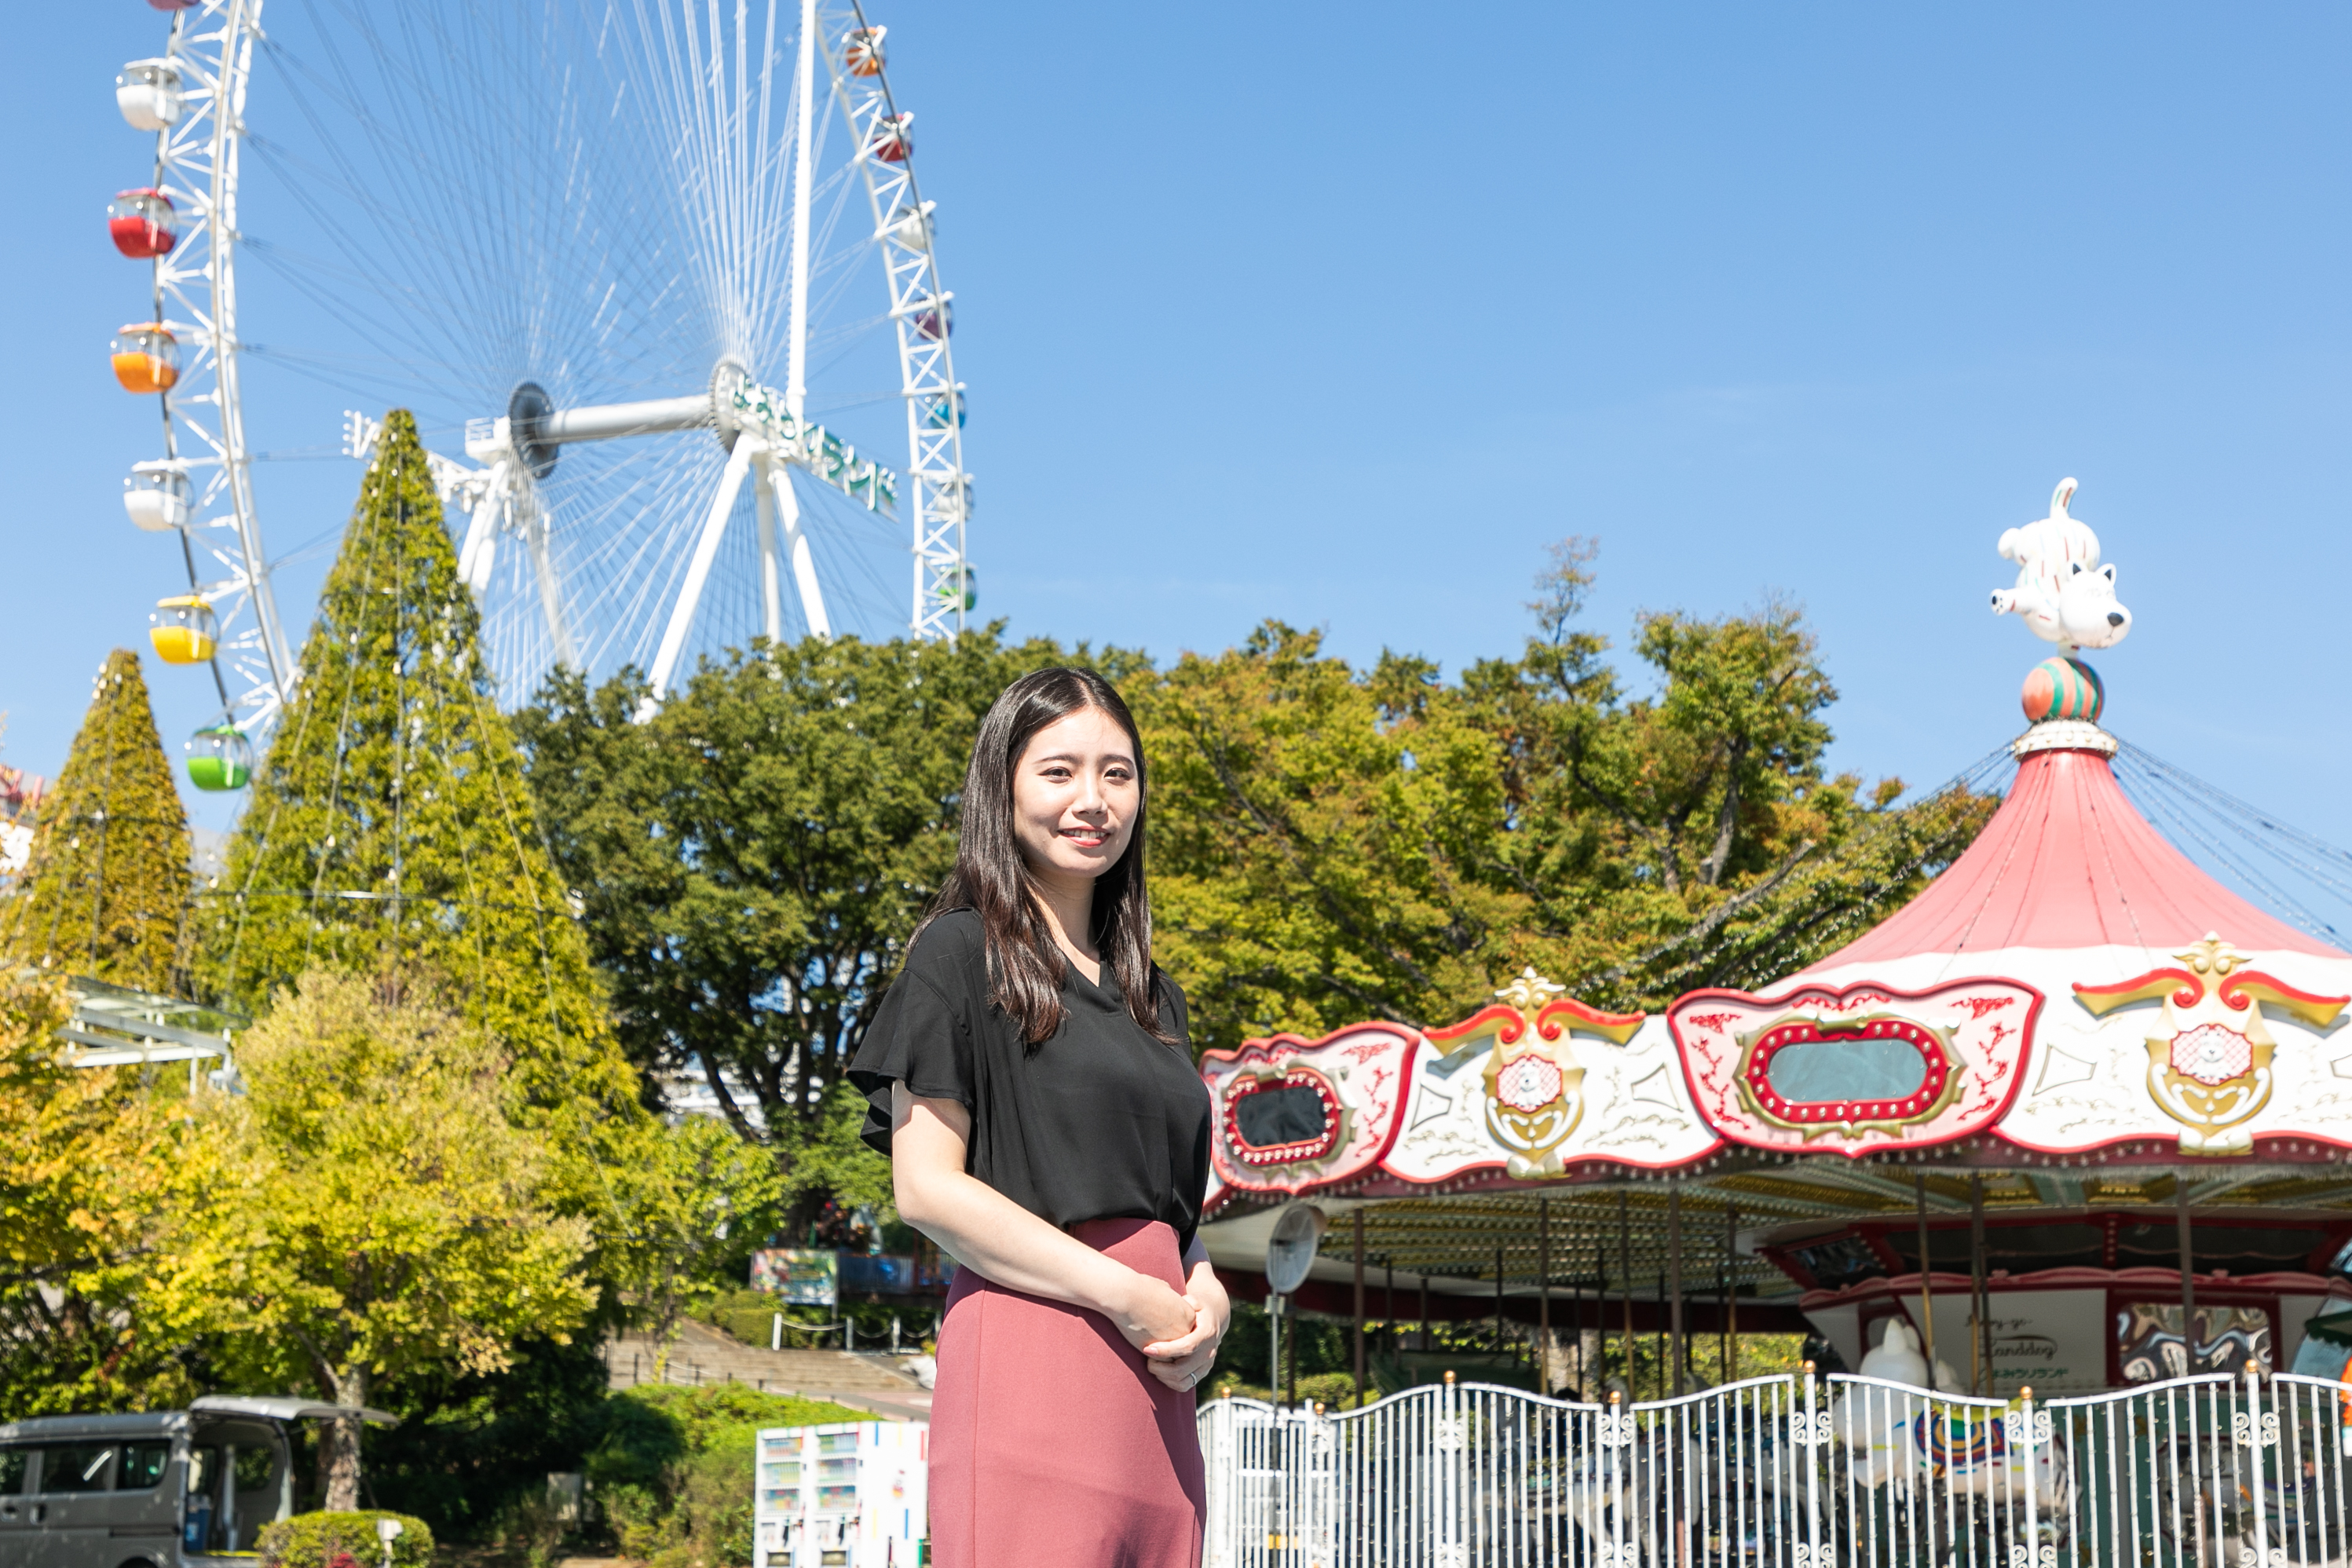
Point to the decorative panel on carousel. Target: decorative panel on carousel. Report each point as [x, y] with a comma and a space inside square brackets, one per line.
[1856, 1068]
[1537, 1083]
[2210, 1053]
[1293, 1113]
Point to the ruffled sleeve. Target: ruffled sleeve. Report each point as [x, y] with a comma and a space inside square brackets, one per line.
[921, 1037]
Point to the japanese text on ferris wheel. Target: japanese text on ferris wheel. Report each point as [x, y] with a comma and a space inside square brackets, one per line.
[825, 455]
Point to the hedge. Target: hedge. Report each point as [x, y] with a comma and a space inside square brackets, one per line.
[344, 1541]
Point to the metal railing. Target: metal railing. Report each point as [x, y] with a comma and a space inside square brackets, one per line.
[2212, 1471]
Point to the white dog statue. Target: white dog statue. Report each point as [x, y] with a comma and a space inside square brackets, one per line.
[2065, 594]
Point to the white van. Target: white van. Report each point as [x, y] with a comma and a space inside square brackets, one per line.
[167, 1489]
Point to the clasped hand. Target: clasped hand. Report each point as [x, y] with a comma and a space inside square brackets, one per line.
[1177, 1335]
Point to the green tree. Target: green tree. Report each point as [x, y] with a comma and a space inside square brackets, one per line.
[90, 1165]
[1318, 856]
[106, 887]
[752, 859]
[389, 826]
[378, 1210]
[1331, 844]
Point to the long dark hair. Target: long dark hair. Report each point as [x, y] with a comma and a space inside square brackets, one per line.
[1025, 967]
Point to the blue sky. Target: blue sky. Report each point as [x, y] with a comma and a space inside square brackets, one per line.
[1341, 313]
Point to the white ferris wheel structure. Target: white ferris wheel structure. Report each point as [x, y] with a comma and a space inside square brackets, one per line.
[185, 354]
[651, 272]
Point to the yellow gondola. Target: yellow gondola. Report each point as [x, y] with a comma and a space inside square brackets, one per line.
[185, 631]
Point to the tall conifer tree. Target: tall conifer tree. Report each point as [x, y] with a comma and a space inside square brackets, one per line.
[106, 888]
[389, 825]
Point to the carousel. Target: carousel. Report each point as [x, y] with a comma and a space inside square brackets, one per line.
[2048, 1165]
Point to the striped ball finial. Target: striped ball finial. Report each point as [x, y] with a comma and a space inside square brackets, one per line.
[2064, 688]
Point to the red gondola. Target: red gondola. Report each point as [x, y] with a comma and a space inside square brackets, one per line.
[143, 223]
[892, 138]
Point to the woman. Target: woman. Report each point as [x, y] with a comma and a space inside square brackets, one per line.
[1033, 1087]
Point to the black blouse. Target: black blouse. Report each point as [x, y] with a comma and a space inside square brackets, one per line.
[1098, 1122]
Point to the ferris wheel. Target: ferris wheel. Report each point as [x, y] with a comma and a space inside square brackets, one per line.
[185, 354]
[661, 271]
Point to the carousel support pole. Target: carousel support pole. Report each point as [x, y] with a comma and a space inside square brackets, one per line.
[1387, 1305]
[1498, 1298]
[2188, 1277]
[1675, 1344]
[1658, 1333]
[1600, 1313]
[1731, 1295]
[1625, 1274]
[1980, 1341]
[1926, 1295]
[1576, 1327]
[1359, 1309]
[1543, 1295]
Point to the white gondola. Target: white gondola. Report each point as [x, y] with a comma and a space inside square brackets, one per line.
[157, 495]
[148, 94]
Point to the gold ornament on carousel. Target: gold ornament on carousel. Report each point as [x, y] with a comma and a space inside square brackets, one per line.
[1534, 1082]
[2210, 1070]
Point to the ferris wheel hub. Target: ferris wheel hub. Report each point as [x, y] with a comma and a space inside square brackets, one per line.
[529, 409]
[727, 379]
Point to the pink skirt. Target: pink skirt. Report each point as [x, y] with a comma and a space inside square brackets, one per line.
[1052, 1447]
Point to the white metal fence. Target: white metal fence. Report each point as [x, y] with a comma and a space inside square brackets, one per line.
[1786, 1472]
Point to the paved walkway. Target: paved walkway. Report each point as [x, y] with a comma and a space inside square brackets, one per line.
[702, 1355]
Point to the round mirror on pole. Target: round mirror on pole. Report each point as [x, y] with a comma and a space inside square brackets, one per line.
[1298, 1232]
[1289, 1253]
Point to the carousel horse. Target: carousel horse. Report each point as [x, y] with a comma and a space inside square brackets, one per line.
[1625, 1468]
[1901, 1436]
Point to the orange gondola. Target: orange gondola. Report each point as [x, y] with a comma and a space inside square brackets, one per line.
[146, 357]
[862, 55]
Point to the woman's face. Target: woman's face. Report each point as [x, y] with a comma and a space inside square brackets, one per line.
[1074, 796]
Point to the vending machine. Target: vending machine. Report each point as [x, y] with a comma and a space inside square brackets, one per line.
[850, 1495]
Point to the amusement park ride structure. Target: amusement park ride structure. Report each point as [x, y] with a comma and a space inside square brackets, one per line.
[2086, 1081]
[2052, 1159]
[183, 222]
[615, 559]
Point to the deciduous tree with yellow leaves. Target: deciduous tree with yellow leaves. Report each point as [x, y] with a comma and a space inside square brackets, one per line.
[373, 1207]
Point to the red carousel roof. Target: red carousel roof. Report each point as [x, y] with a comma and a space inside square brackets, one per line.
[2068, 862]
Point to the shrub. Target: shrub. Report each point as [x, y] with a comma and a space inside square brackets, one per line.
[344, 1541]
